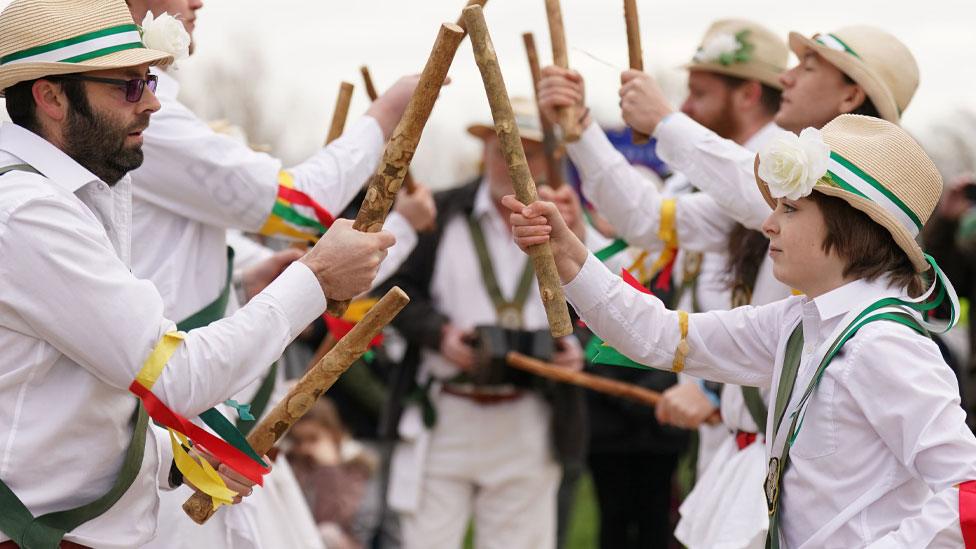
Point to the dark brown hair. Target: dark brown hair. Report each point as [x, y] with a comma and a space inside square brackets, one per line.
[868, 249]
[747, 249]
[770, 98]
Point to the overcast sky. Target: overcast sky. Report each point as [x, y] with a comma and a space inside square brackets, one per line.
[307, 47]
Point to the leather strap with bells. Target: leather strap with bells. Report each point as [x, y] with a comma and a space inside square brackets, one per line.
[508, 312]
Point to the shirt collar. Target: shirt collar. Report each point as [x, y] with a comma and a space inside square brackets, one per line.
[44, 157]
[853, 295]
[482, 200]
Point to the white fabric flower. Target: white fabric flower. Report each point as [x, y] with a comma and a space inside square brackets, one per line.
[717, 46]
[791, 165]
[167, 34]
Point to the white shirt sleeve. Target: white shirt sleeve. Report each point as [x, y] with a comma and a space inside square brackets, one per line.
[737, 346]
[632, 203]
[920, 421]
[74, 293]
[211, 178]
[721, 168]
[406, 241]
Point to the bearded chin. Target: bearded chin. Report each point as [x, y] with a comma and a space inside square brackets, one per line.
[98, 143]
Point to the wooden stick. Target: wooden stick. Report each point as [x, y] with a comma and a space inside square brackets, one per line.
[316, 381]
[368, 81]
[461, 22]
[340, 113]
[568, 117]
[596, 383]
[385, 183]
[408, 182]
[554, 169]
[550, 287]
[635, 53]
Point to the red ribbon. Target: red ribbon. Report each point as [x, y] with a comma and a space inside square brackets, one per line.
[339, 328]
[744, 439]
[633, 282]
[967, 513]
[664, 277]
[224, 452]
[298, 197]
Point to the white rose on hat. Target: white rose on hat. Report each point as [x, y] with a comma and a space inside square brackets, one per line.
[717, 46]
[791, 165]
[166, 33]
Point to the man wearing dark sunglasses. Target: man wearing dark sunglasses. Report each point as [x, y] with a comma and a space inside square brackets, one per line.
[76, 326]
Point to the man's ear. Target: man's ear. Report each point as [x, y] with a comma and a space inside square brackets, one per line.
[51, 101]
[852, 99]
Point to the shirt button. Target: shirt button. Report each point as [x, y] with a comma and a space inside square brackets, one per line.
[101, 186]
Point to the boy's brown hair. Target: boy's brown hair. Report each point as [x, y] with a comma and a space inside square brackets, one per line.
[868, 249]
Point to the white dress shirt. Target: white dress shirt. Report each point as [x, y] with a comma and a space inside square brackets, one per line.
[76, 326]
[884, 441]
[195, 184]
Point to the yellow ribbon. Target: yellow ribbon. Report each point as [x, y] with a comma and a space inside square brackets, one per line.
[196, 471]
[358, 309]
[275, 226]
[682, 350]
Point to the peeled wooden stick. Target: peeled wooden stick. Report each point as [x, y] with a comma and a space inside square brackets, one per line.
[340, 113]
[316, 381]
[568, 117]
[461, 22]
[385, 183]
[554, 170]
[408, 183]
[635, 53]
[599, 384]
[550, 288]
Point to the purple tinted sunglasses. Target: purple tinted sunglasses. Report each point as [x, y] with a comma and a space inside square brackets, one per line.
[133, 88]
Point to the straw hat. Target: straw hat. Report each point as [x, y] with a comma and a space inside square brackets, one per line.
[873, 165]
[526, 118]
[741, 48]
[50, 37]
[876, 60]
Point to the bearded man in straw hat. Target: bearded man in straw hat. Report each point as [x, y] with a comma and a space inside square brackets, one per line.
[76, 326]
[195, 185]
[476, 441]
[868, 444]
[734, 90]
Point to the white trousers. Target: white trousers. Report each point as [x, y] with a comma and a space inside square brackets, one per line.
[493, 463]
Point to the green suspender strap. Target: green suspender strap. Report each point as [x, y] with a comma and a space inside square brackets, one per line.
[890, 309]
[509, 311]
[756, 406]
[47, 531]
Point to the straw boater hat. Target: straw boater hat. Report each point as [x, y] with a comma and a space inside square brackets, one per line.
[51, 37]
[874, 59]
[526, 118]
[741, 48]
[870, 163]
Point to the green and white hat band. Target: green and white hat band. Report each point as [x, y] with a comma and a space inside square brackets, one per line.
[844, 174]
[80, 48]
[834, 43]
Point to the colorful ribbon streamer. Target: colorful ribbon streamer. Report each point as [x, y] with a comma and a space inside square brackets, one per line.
[967, 513]
[290, 216]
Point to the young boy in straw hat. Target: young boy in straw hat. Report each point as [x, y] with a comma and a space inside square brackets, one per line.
[80, 333]
[866, 439]
[734, 90]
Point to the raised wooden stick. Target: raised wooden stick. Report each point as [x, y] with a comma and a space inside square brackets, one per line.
[568, 117]
[385, 183]
[554, 171]
[340, 113]
[635, 53]
[308, 389]
[596, 383]
[461, 22]
[408, 182]
[550, 288]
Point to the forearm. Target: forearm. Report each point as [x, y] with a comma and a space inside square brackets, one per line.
[719, 167]
[724, 346]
